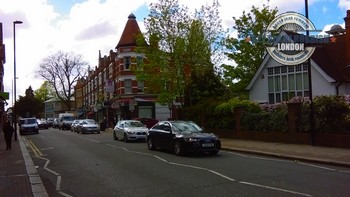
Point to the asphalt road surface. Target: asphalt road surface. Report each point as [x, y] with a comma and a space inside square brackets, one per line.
[72, 164]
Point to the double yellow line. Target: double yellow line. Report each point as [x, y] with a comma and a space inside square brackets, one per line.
[35, 149]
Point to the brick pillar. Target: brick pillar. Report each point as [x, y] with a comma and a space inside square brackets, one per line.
[238, 113]
[294, 115]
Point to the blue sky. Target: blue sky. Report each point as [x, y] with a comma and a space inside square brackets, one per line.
[323, 12]
[89, 26]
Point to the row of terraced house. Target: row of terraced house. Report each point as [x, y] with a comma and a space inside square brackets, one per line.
[111, 90]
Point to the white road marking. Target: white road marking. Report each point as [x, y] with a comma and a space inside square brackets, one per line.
[48, 148]
[289, 161]
[317, 166]
[58, 176]
[96, 141]
[211, 171]
[64, 194]
[344, 171]
[58, 183]
[256, 157]
[274, 188]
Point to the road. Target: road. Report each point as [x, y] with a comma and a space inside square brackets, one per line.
[72, 164]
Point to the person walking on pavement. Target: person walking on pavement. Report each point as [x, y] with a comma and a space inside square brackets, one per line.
[8, 131]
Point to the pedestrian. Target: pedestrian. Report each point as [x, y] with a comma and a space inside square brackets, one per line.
[8, 131]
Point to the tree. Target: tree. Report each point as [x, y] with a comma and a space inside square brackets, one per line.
[45, 92]
[249, 48]
[62, 70]
[177, 45]
[29, 105]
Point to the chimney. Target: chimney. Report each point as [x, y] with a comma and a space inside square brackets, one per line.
[347, 38]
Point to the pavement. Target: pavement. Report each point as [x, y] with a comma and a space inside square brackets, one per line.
[19, 177]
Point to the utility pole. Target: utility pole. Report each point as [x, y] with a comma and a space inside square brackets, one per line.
[311, 115]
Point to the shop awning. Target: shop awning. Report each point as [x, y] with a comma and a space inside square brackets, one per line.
[146, 99]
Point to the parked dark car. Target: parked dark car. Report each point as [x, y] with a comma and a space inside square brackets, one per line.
[182, 137]
[42, 124]
[148, 122]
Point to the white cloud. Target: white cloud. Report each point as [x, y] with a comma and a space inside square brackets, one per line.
[344, 4]
[88, 27]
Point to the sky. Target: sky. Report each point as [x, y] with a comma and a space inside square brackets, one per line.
[86, 27]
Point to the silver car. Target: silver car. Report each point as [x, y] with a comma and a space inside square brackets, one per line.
[130, 130]
[88, 126]
[74, 125]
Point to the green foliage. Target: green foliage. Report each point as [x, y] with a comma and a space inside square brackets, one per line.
[228, 107]
[332, 113]
[45, 92]
[177, 45]
[224, 111]
[203, 86]
[203, 114]
[266, 120]
[249, 48]
[29, 106]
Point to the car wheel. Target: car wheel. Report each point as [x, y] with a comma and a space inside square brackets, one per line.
[125, 138]
[178, 148]
[150, 144]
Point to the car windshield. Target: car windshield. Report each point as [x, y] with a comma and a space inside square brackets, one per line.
[89, 122]
[68, 118]
[186, 127]
[133, 124]
[30, 121]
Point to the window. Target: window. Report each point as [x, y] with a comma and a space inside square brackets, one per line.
[286, 82]
[127, 86]
[139, 60]
[140, 87]
[127, 62]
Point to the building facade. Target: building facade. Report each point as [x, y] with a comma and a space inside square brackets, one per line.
[111, 89]
[54, 106]
[330, 72]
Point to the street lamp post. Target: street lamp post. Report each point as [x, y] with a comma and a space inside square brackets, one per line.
[14, 74]
[311, 115]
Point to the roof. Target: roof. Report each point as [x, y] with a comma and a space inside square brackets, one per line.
[129, 35]
[331, 58]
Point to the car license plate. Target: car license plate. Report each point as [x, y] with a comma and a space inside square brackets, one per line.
[208, 145]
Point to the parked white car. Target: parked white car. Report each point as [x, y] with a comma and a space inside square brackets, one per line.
[130, 130]
[28, 125]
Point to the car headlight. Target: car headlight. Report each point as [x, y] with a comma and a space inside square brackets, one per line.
[130, 132]
[191, 139]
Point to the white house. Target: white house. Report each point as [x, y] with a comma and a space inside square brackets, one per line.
[330, 72]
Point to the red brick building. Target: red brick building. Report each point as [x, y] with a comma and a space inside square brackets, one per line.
[111, 90]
